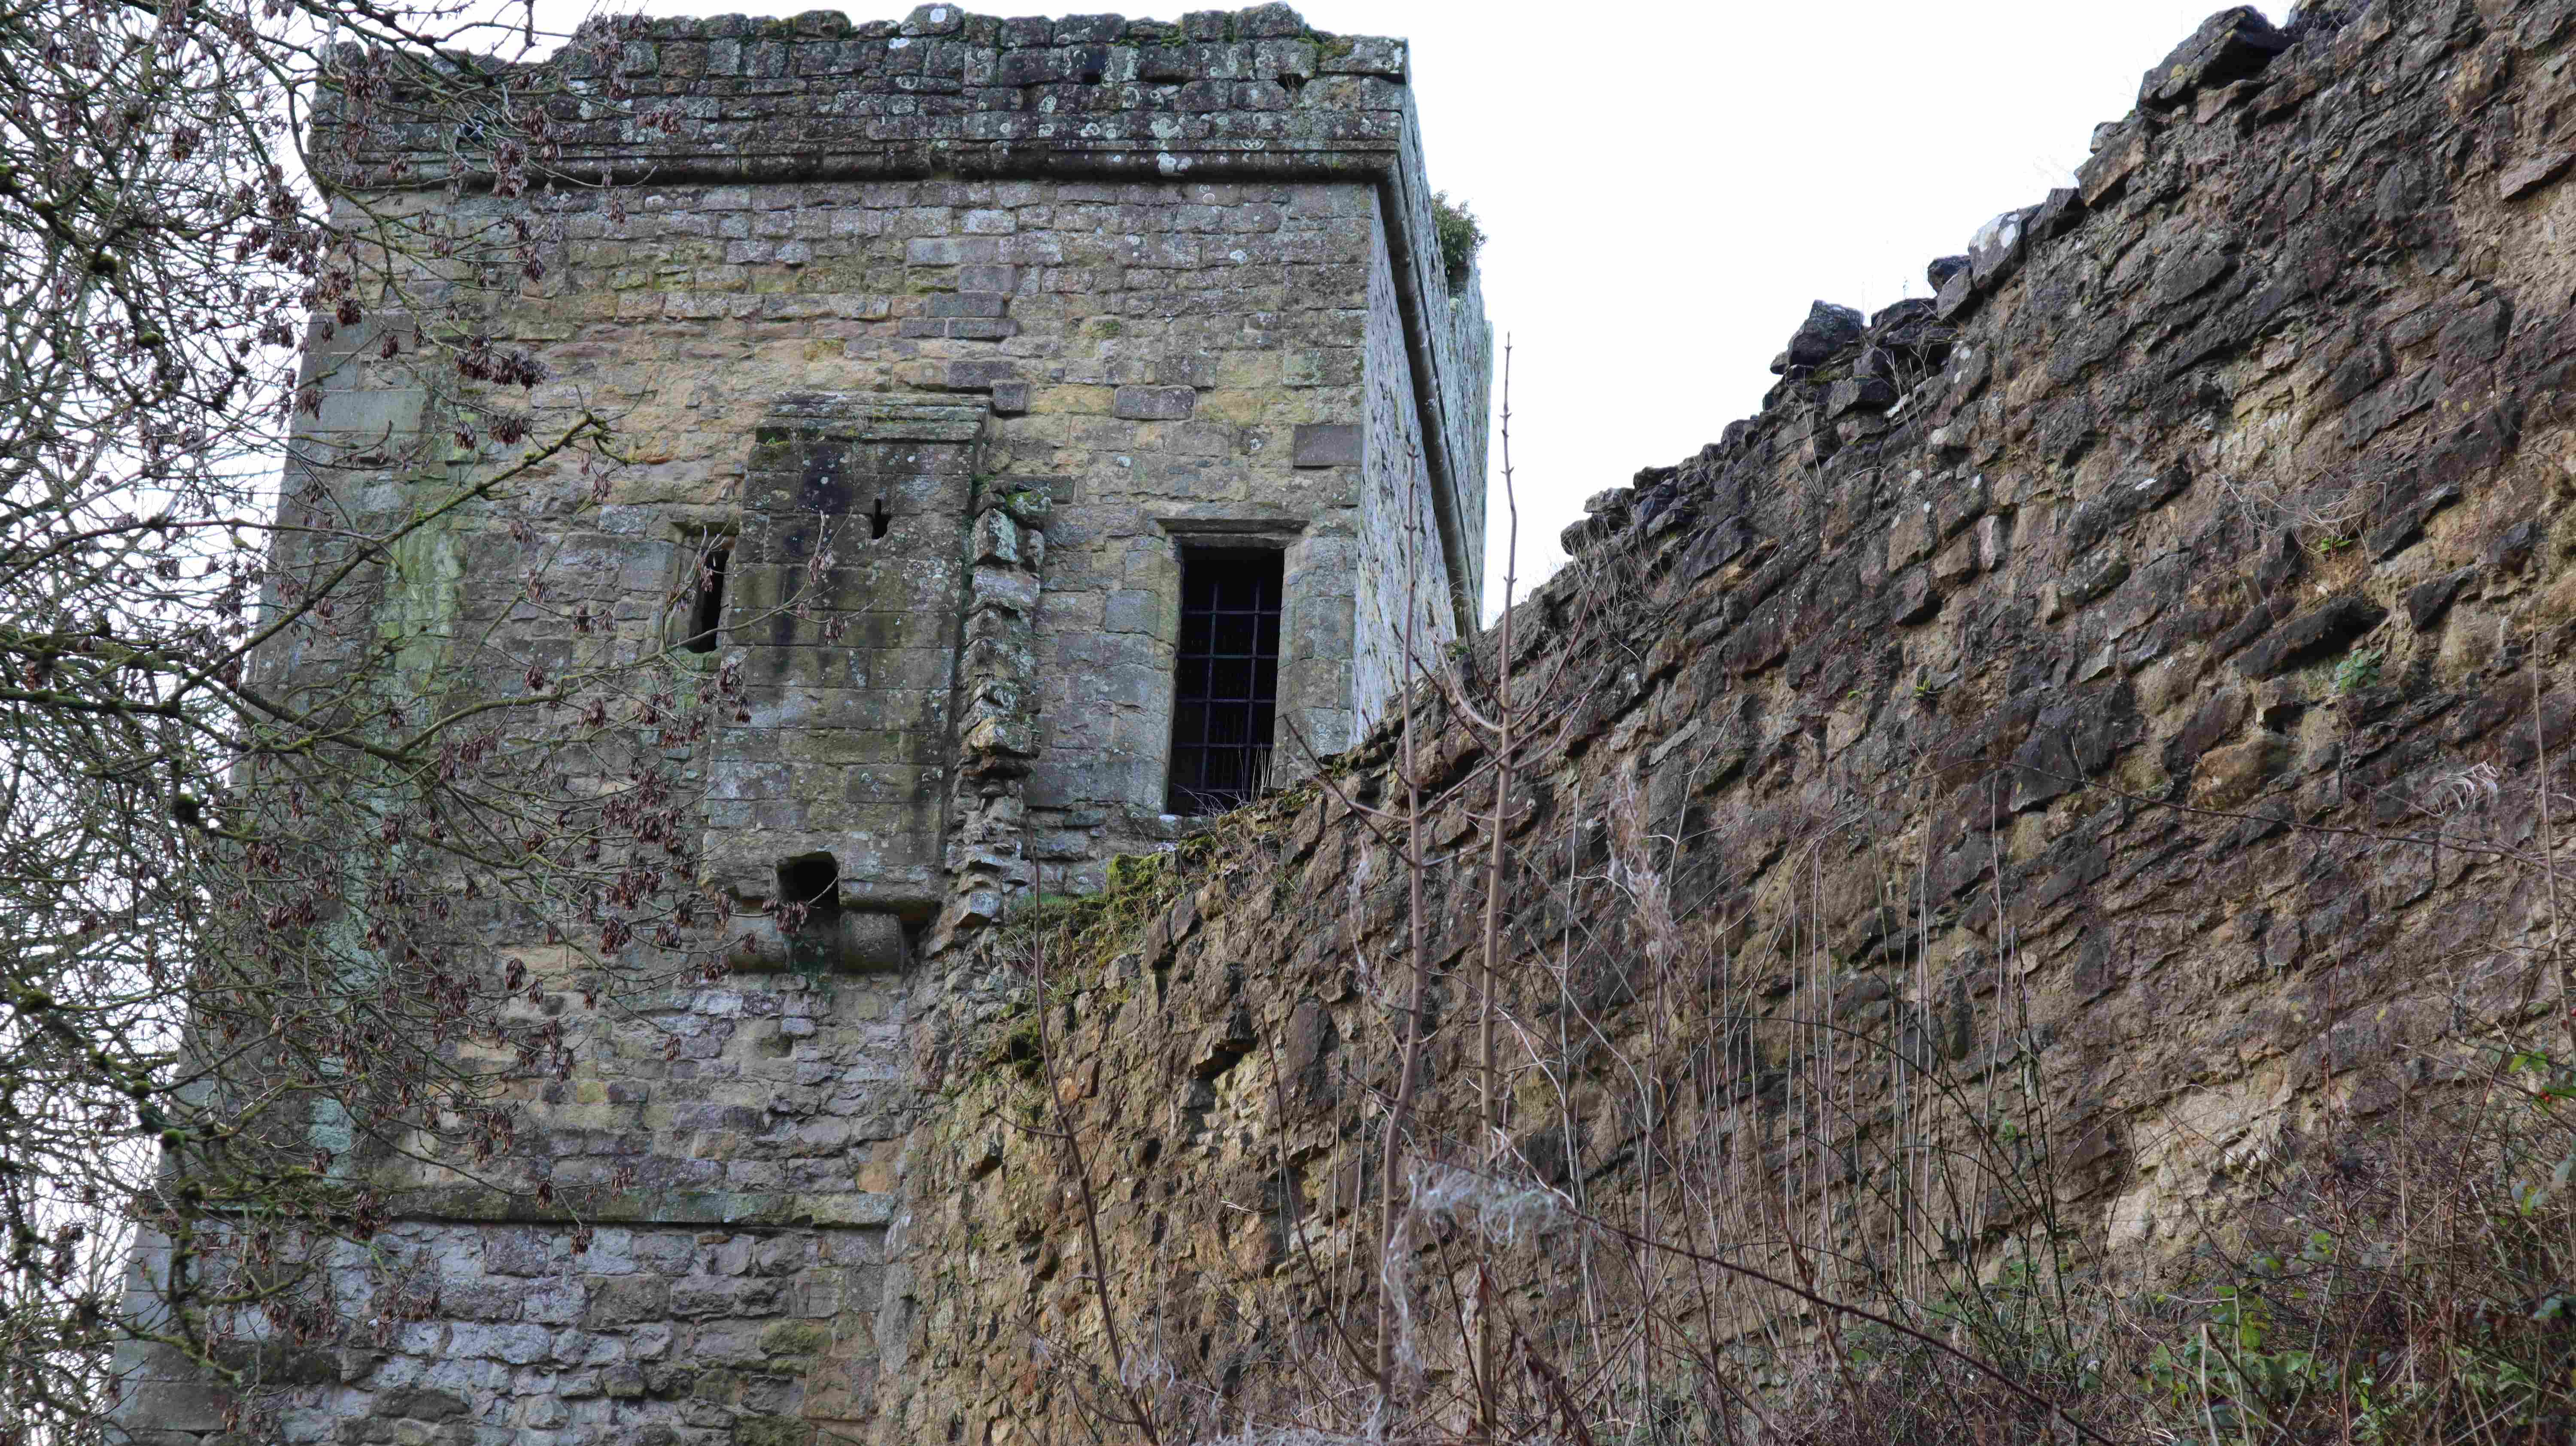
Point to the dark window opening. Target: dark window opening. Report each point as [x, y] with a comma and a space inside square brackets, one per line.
[1226, 702]
[706, 611]
[809, 909]
[877, 519]
[812, 881]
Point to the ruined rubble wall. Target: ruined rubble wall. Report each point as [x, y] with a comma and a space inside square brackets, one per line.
[2160, 638]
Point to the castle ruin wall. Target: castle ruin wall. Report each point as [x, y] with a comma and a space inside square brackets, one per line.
[952, 335]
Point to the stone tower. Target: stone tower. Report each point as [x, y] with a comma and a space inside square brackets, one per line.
[1116, 368]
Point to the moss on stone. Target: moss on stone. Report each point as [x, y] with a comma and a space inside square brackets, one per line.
[422, 596]
[771, 1431]
[1081, 934]
[795, 1338]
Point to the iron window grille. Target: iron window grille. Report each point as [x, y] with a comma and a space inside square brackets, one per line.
[1226, 702]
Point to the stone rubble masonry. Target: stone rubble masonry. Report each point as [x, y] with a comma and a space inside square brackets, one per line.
[955, 332]
[987, 860]
[2128, 606]
[2175, 614]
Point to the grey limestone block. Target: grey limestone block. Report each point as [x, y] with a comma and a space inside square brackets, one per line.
[1957, 294]
[976, 375]
[1153, 404]
[968, 303]
[1996, 248]
[1859, 394]
[2531, 175]
[1005, 587]
[2228, 47]
[1370, 55]
[2114, 159]
[177, 1405]
[997, 537]
[1327, 444]
[1827, 329]
[926, 20]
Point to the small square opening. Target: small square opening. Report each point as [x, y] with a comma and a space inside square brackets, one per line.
[809, 909]
[1226, 679]
[812, 883]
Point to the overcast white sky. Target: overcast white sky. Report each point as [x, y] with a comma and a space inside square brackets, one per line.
[1667, 184]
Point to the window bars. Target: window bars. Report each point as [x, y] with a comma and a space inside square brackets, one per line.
[1226, 701]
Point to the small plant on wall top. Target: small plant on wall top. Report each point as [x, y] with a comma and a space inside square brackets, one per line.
[1460, 237]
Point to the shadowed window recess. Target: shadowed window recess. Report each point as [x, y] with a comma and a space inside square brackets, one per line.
[706, 608]
[1226, 702]
[809, 909]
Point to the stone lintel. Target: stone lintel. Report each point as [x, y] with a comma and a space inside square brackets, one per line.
[1226, 521]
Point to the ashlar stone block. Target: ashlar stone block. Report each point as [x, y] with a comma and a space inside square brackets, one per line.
[1153, 403]
[1327, 444]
